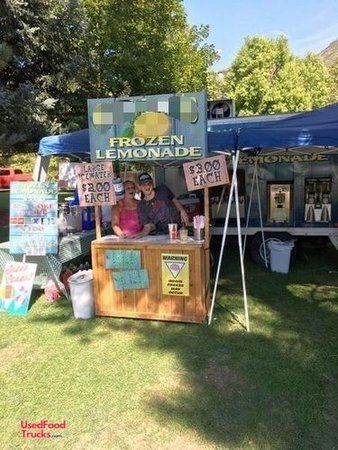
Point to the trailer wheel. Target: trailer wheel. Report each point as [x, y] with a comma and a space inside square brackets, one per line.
[257, 248]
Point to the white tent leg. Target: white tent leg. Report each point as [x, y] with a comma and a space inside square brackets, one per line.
[260, 216]
[41, 168]
[249, 206]
[225, 230]
[241, 257]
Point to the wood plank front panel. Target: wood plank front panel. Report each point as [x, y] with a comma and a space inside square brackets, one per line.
[151, 303]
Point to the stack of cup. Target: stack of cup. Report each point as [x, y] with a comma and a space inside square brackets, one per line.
[198, 228]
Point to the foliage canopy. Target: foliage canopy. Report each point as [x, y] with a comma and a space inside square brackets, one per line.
[266, 78]
[55, 55]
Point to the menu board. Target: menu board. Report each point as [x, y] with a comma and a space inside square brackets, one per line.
[16, 287]
[33, 218]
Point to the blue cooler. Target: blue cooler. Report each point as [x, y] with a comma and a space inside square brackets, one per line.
[88, 218]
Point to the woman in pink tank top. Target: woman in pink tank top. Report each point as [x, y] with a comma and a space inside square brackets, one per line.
[125, 218]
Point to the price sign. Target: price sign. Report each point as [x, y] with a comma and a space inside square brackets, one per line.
[95, 184]
[207, 172]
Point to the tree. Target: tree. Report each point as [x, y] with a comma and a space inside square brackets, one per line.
[266, 78]
[144, 47]
[38, 55]
[56, 55]
[334, 81]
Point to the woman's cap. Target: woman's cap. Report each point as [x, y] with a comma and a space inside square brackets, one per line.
[144, 178]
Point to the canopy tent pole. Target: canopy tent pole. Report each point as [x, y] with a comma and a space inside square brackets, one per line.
[249, 206]
[225, 230]
[41, 168]
[241, 256]
[260, 215]
[255, 180]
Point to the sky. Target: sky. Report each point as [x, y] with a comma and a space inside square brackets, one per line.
[309, 25]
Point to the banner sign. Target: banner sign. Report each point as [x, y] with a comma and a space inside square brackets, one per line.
[207, 172]
[131, 279]
[155, 127]
[16, 287]
[284, 158]
[175, 274]
[33, 218]
[95, 184]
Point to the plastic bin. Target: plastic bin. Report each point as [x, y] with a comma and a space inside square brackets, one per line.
[280, 254]
[81, 293]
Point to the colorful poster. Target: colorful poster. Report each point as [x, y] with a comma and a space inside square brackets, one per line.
[123, 259]
[16, 287]
[131, 279]
[95, 184]
[33, 218]
[207, 172]
[175, 274]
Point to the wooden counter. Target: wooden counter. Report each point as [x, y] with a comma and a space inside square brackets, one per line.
[177, 274]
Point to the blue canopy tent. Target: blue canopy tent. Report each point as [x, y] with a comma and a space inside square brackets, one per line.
[299, 130]
[260, 133]
[314, 128]
[75, 143]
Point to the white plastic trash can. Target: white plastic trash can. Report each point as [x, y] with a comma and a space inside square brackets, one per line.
[280, 254]
[81, 293]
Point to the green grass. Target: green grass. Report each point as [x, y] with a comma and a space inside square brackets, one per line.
[130, 384]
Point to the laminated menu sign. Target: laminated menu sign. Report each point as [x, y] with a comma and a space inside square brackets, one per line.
[33, 218]
[131, 279]
[95, 184]
[123, 259]
[16, 287]
[175, 274]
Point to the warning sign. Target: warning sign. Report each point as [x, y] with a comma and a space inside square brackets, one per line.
[175, 274]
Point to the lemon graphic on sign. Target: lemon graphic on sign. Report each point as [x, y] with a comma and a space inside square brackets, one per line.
[152, 123]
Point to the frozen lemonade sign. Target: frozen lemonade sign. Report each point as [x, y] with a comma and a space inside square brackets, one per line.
[164, 127]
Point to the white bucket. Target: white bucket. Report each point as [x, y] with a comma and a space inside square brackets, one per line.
[81, 292]
[280, 254]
